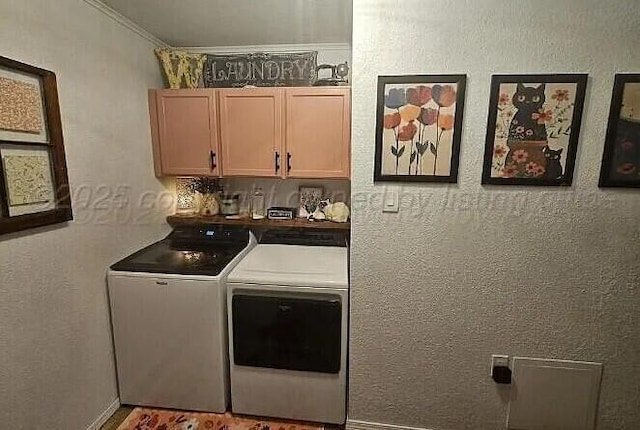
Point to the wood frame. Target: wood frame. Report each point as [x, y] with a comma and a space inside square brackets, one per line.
[62, 211]
[606, 171]
[496, 80]
[460, 80]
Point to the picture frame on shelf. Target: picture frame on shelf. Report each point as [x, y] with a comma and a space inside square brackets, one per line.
[621, 156]
[34, 186]
[419, 128]
[310, 197]
[533, 129]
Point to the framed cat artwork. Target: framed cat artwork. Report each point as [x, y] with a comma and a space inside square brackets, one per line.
[533, 129]
[621, 158]
[418, 128]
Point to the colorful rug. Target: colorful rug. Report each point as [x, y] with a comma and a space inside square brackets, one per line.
[165, 419]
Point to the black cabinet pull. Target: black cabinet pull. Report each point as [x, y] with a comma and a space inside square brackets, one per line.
[212, 156]
[288, 162]
[277, 161]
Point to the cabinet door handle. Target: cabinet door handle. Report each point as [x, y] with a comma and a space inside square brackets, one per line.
[277, 161]
[288, 162]
[212, 156]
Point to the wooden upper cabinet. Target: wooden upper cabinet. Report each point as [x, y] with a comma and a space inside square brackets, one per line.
[184, 132]
[251, 131]
[318, 130]
[259, 132]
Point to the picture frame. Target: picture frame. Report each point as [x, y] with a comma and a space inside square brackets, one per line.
[533, 129]
[34, 186]
[310, 197]
[423, 113]
[621, 155]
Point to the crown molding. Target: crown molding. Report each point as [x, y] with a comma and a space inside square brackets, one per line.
[242, 49]
[126, 22]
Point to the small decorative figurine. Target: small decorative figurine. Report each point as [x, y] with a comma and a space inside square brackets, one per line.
[337, 212]
[338, 74]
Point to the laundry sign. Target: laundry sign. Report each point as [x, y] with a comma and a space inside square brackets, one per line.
[260, 70]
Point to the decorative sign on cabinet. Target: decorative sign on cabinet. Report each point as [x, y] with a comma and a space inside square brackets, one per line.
[301, 132]
[260, 70]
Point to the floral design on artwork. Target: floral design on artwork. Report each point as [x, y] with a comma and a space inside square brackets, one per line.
[21, 107]
[28, 179]
[532, 130]
[418, 124]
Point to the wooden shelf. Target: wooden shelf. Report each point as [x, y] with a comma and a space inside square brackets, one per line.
[177, 220]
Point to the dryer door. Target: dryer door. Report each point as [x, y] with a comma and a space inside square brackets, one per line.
[287, 332]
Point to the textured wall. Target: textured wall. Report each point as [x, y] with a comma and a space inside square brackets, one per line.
[56, 364]
[463, 271]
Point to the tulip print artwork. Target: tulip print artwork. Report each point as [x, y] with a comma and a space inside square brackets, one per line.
[533, 129]
[419, 126]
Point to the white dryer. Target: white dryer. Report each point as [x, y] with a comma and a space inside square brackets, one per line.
[288, 326]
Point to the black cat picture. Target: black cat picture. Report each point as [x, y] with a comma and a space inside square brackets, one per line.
[533, 129]
[553, 167]
[528, 100]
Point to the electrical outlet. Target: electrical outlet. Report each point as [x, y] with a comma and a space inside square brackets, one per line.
[498, 360]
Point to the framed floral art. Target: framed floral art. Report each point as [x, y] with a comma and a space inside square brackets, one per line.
[533, 129]
[34, 188]
[418, 128]
[621, 158]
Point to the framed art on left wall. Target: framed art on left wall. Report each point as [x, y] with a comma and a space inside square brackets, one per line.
[34, 188]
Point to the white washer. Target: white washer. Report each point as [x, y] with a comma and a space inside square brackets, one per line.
[288, 328]
[168, 311]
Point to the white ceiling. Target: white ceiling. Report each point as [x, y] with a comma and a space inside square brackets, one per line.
[240, 22]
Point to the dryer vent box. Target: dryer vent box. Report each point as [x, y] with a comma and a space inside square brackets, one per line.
[553, 394]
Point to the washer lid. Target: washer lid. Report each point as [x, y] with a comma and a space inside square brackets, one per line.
[294, 265]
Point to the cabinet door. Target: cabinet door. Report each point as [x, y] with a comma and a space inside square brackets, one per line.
[187, 139]
[251, 131]
[318, 132]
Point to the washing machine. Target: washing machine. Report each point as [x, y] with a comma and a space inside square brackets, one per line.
[169, 318]
[288, 302]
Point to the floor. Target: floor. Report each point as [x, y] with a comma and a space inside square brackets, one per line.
[117, 418]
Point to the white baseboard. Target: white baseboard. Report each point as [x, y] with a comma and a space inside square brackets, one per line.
[366, 425]
[104, 416]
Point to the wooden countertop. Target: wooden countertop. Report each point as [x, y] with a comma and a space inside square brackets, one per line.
[176, 220]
